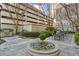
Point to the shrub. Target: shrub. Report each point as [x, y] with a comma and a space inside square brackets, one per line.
[44, 34]
[25, 31]
[77, 38]
[2, 41]
[6, 29]
[42, 37]
[29, 34]
[1, 30]
[11, 30]
[70, 32]
[51, 29]
[22, 32]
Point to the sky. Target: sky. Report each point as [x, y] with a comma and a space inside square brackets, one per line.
[45, 7]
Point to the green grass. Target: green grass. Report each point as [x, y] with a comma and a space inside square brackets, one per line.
[2, 41]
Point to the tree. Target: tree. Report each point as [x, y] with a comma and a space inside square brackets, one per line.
[68, 14]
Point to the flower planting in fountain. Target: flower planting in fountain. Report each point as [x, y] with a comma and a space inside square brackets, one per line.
[42, 44]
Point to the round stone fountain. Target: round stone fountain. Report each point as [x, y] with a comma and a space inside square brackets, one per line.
[50, 50]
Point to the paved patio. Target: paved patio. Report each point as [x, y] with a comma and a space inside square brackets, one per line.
[16, 46]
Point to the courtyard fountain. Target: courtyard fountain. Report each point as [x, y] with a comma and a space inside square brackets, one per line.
[42, 47]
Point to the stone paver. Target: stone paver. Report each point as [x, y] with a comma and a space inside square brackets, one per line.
[67, 46]
[16, 46]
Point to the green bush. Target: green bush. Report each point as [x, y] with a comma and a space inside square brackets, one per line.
[25, 31]
[43, 44]
[44, 34]
[77, 38]
[4, 29]
[22, 32]
[1, 30]
[51, 29]
[2, 41]
[70, 32]
[29, 34]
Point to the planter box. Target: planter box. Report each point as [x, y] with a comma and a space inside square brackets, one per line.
[33, 52]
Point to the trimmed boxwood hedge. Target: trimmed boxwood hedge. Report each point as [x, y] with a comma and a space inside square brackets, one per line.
[29, 34]
[69, 32]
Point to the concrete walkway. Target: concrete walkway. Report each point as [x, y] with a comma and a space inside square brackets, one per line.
[16, 46]
[67, 46]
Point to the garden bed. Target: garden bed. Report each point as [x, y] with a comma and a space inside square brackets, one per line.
[50, 49]
[43, 46]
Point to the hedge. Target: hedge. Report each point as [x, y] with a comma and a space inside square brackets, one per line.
[29, 34]
[77, 38]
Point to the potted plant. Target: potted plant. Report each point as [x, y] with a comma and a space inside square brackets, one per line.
[43, 47]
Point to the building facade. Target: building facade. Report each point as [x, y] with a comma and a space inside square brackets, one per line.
[62, 20]
[23, 17]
